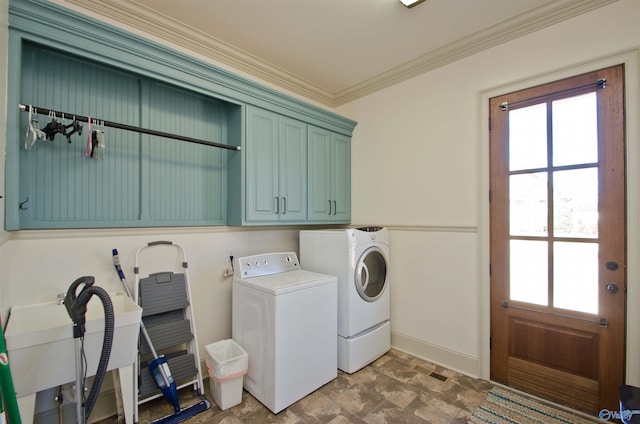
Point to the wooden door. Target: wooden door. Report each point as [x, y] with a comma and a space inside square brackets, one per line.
[558, 240]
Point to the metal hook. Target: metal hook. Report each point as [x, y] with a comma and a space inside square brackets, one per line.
[21, 204]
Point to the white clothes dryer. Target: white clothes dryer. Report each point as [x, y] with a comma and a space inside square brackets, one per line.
[286, 320]
[359, 257]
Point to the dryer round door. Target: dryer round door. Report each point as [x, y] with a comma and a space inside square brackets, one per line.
[371, 274]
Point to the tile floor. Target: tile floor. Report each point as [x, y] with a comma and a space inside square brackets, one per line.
[397, 388]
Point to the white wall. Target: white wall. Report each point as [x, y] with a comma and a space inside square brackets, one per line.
[41, 264]
[419, 167]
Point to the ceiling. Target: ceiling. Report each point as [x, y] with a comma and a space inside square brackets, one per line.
[335, 51]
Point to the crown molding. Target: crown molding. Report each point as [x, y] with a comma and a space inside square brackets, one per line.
[500, 33]
[142, 19]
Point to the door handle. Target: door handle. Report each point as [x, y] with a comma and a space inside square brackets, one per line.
[284, 206]
[365, 271]
[277, 204]
[335, 207]
[329, 206]
[612, 288]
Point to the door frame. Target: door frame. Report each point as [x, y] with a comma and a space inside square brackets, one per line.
[630, 59]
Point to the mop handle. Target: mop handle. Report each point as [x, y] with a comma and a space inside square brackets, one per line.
[116, 263]
[7, 390]
[143, 329]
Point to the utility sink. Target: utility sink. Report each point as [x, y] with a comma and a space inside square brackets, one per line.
[41, 346]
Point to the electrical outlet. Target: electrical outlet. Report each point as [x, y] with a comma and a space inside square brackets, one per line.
[228, 272]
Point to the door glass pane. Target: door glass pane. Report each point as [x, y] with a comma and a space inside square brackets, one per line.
[528, 204]
[575, 275]
[575, 130]
[528, 137]
[528, 271]
[575, 203]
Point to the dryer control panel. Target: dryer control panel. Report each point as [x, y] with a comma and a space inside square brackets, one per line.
[267, 264]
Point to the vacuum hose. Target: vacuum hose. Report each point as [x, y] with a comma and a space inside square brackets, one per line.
[77, 308]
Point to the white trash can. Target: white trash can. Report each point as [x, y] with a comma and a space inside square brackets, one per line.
[227, 362]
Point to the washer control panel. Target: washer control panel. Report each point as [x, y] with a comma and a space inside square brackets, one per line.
[373, 234]
[267, 264]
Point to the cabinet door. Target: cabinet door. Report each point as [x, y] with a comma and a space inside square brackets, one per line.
[261, 165]
[292, 169]
[340, 178]
[319, 171]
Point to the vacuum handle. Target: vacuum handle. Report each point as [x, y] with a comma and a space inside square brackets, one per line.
[71, 296]
[75, 309]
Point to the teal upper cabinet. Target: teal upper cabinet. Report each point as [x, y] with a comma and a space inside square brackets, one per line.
[329, 161]
[140, 179]
[276, 168]
[341, 178]
[64, 60]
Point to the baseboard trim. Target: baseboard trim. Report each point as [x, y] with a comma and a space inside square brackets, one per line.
[439, 355]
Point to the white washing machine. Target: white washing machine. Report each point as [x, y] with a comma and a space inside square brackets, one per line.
[286, 320]
[359, 257]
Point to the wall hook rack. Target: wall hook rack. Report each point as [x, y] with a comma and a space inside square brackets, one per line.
[22, 204]
[45, 111]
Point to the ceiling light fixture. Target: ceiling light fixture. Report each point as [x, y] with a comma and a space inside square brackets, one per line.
[411, 3]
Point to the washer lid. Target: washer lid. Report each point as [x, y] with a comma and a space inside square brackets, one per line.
[286, 282]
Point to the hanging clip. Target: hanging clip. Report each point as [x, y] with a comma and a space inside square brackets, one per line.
[53, 127]
[77, 128]
[30, 137]
[97, 144]
[33, 129]
[88, 151]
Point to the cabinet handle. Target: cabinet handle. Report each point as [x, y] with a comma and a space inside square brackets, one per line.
[335, 207]
[284, 205]
[329, 206]
[277, 205]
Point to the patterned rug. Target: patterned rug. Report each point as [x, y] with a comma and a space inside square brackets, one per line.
[503, 406]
